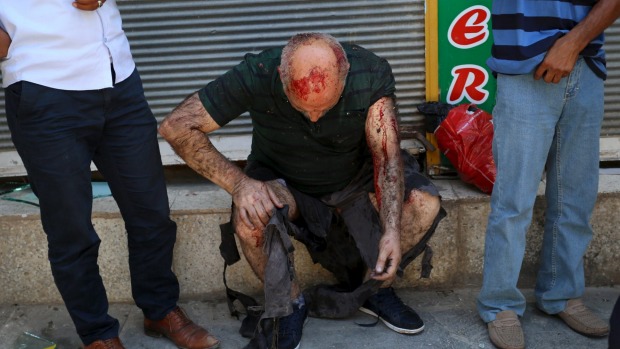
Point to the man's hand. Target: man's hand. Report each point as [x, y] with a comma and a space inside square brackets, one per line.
[5, 42]
[559, 61]
[88, 5]
[389, 258]
[255, 202]
[561, 57]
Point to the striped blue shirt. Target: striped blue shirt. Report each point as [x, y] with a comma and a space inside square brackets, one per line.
[524, 30]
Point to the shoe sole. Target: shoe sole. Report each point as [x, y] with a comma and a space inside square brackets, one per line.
[392, 327]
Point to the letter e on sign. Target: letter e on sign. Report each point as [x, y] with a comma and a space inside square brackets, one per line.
[468, 82]
[470, 28]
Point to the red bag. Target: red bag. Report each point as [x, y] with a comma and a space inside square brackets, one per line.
[465, 137]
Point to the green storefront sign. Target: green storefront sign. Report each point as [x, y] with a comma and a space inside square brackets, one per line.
[465, 38]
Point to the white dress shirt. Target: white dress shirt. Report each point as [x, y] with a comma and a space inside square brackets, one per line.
[59, 46]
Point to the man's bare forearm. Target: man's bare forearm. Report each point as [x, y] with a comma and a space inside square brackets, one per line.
[385, 148]
[186, 130]
[602, 15]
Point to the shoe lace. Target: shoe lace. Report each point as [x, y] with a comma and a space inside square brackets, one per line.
[179, 319]
[389, 300]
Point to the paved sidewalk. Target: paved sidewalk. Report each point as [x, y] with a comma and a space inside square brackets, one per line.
[450, 317]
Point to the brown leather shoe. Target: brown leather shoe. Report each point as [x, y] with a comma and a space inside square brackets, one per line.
[182, 331]
[582, 320]
[114, 343]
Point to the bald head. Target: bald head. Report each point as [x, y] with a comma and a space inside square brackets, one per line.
[313, 71]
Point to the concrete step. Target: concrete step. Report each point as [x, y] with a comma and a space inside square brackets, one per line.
[200, 207]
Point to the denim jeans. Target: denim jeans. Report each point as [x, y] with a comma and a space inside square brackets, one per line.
[57, 133]
[542, 126]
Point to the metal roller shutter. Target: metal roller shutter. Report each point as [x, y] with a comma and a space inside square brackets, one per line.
[610, 133]
[181, 45]
[611, 124]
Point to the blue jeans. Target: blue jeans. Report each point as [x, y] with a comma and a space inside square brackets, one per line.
[542, 126]
[57, 133]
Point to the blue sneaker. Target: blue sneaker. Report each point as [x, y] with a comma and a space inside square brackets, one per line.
[395, 314]
[288, 329]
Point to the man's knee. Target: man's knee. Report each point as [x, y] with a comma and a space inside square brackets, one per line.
[247, 236]
[285, 195]
[425, 206]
